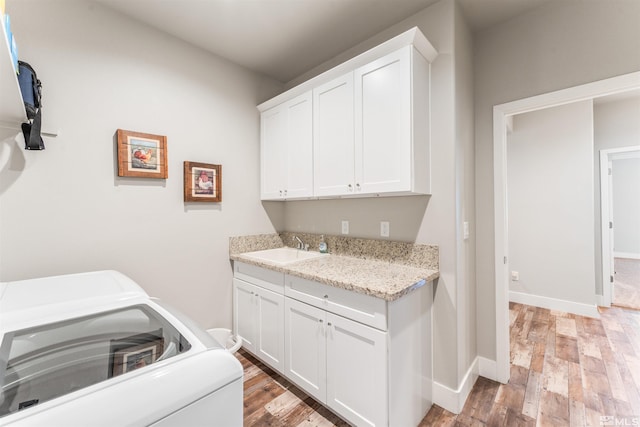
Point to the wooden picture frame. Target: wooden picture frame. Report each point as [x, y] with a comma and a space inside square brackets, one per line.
[202, 182]
[142, 155]
[134, 352]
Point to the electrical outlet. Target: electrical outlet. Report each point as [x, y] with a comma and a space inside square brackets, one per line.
[345, 227]
[384, 228]
[515, 276]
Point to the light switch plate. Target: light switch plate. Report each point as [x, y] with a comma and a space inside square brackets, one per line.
[345, 227]
[384, 228]
[465, 230]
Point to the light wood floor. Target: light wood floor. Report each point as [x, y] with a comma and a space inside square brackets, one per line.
[566, 370]
[627, 283]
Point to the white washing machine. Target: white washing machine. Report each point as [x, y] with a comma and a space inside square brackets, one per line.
[94, 349]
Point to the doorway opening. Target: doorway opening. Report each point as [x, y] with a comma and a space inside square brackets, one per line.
[620, 203]
[502, 114]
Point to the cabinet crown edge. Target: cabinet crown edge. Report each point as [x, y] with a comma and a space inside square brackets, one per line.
[413, 37]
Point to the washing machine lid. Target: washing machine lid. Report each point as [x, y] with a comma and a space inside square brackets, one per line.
[42, 363]
[64, 335]
[50, 299]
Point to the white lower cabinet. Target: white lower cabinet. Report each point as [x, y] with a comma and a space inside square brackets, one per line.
[366, 359]
[356, 371]
[259, 320]
[306, 347]
[339, 362]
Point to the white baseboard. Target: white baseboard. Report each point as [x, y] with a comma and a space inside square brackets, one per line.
[629, 255]
[453, 400]
[487, 368]
[600, 301]
[555, 304]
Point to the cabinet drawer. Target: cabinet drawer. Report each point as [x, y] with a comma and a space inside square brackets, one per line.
[263, 277]
[352, 305]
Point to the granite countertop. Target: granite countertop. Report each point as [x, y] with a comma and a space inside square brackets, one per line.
[381, 278]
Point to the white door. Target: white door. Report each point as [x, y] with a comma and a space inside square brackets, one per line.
[299, 169]
[383, 124]
[273, 153]
[244, 313]
[270, 328]
[305, 348]
[333, 137]
[357, 387]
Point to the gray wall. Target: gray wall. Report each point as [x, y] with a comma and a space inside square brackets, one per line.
[436, 219]
[558, 45]
[64, 210]
[550, 203]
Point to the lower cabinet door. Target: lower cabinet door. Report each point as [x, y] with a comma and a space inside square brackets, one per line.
[305, 347]
[244, 313]
[269, 344]
[357, 387]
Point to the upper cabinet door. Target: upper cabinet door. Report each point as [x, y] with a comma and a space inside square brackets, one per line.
[300, 145]
[383, 124]
[333, 137]
[286, 150]
[273, 147]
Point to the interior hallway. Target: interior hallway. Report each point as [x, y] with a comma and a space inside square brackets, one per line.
[626, 283]
[565, 370]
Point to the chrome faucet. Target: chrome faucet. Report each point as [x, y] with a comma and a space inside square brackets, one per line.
[301, 244]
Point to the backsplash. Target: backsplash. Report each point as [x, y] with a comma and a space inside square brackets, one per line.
[256, 242]
[411, 254]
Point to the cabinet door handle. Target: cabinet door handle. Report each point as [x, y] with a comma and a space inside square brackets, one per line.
[280, 193]
[357, 187]
[320, 320]
[329, 324]
[350, 187]
[326, 297]
[285, 193]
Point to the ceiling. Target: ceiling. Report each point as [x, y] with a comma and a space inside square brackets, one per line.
[286, 38]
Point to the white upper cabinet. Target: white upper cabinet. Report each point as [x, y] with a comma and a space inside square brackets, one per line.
[286, 150]
[370, 127]
[384, 145]
[333, 138]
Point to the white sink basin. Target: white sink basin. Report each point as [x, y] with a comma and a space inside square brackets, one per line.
[284, 255]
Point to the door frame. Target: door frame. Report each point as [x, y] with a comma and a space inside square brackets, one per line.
[606, 208]
[502, 115]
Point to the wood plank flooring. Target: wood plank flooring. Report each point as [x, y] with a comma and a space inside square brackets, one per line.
[271, 400]
[566, 370]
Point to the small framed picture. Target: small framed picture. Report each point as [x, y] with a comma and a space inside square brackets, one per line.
[142, 155]
[202, 182]
[135, 352]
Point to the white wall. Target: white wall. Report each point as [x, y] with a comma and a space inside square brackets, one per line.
[626, 207]
[558, 45]
[550, 203]
[64, 209]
